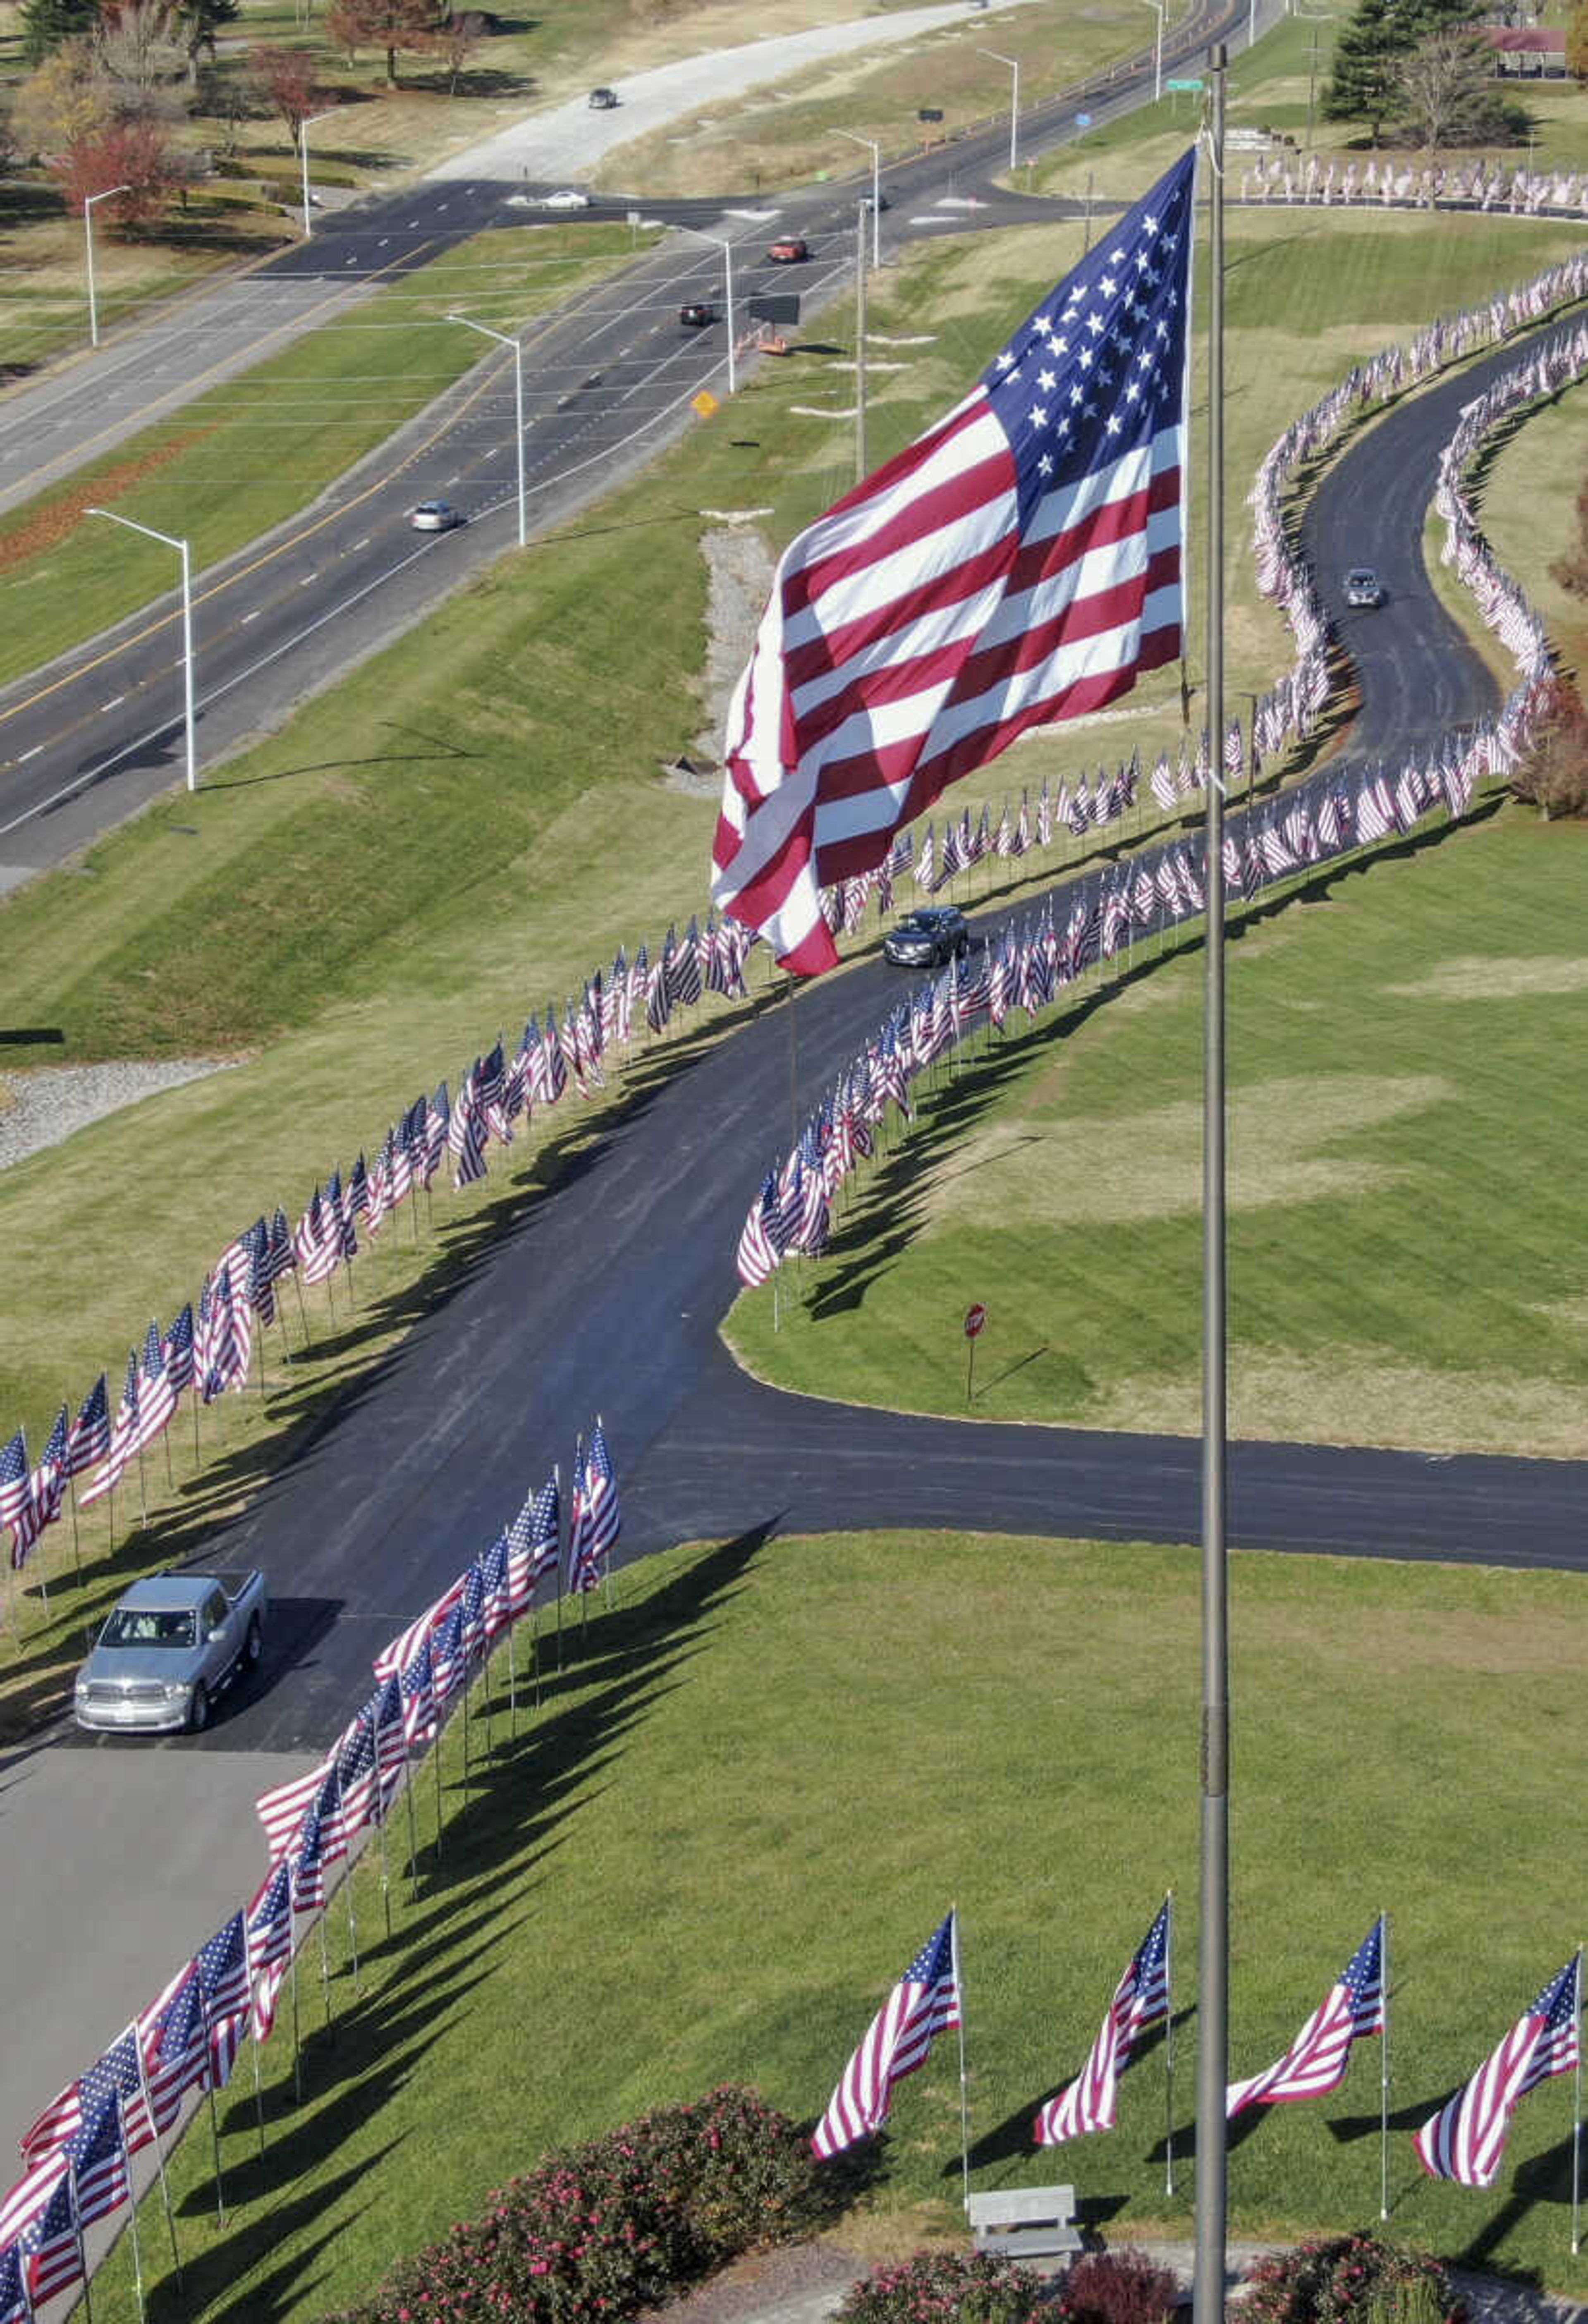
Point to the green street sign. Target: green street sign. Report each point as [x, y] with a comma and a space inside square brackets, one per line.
[1182, 84]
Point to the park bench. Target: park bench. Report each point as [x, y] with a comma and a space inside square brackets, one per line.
[1025, 2222]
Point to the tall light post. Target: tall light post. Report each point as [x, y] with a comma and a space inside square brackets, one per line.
[876, 153]
[304, 127]
[181, 548]
[1014, 103]
[726, 248]
[1157, 52]
[503, 340]
[88, 202]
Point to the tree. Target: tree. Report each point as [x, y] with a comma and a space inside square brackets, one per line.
[137, 154]
[198, 22]
[1554, 773]
[454, 40]
[389, 24]
[1448, 96]
[47, 23]
[1362, 86]
[285, 80]
[133, 43]
[1577, 42]
[63, 100]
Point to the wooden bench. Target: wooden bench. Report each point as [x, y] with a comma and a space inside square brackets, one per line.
[1025, 2222]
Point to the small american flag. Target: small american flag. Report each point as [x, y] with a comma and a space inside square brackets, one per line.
[1019, 564]
[270, 1945]
[14, 2305]
[15, 1481]
[1466, 2138]
[284, 1809]
[1141, 2000]
[50, 2244]
[97, 2155]
[90, 1432]
[175, 2045]
[1316, 2062]
[923, 2004]
[222, 1965]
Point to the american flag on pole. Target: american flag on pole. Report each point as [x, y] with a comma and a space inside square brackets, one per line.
[1141, 2000]
[1316, 2062]
[1019, 564]
[923, 2004]
[1466, 2138]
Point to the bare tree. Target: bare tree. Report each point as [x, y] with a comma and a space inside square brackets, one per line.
[454, 40]
[134, 44]
[1448, 92]
[285, 80]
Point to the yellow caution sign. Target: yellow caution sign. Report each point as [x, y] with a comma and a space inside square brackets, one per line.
[705, 404]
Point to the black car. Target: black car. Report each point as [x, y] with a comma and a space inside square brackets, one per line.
[922, 939]
[1363, 589]
[696, 313]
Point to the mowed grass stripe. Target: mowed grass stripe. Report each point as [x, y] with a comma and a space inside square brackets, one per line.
[680, 1873]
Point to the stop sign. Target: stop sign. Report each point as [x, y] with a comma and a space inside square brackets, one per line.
[975, 1320]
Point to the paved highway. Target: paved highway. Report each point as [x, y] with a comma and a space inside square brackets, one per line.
[98, 733]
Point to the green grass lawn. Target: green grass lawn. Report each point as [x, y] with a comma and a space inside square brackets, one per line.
[677, 1874]
[1403, 1269]
[256, 449]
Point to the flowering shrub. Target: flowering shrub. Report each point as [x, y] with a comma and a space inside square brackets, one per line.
[1351, 2279]
[943, 2288]
[600, 2231]
[1117, 2287]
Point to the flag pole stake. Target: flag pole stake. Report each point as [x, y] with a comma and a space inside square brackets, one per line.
[436, 1753]
[258, 2099]
[126, 2164]
[170, 2224]
[1384, 2077]
[1169, 2057]
[77, 1556]
[412, 1834]
[220, 2192]
[325, 1975]
[1214, 1953]
[297, 2040]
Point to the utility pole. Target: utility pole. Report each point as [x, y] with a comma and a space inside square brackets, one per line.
[860, 463]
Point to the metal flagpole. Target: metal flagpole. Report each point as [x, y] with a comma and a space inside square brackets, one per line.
[435, 1757]
[382, 1803]
[77, 2221]
[860, 343]
[176, 2257]
[258, 2095]
[220, 2192]
[412, 1831]
[347, 1872]
[1384, 2072]
[77, 1559]
[965, 2103]
[297, 2042]
[1169, 2049]
[126, 2164]
[1213, 1955]
[324, 1970]
[1577, 2120]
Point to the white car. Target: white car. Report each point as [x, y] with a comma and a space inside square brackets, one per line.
[570, 199]
[434, 516]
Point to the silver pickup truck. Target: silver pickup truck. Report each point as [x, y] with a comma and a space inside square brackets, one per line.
[170, 1647]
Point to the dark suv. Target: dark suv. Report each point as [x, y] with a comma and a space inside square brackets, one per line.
[921, 939]
[602, 100]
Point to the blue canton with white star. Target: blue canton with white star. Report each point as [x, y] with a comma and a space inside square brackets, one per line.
[1098, 369]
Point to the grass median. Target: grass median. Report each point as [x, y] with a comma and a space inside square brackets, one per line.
[676, 1875]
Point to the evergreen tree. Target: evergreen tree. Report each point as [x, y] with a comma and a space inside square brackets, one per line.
[1363, 85]
[197, 22]
[46, 23]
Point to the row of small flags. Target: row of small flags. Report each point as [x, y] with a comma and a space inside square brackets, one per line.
[78, 2151]
[1464, 2140]
[1481, 185]
[210, 1346]
[1028, 968]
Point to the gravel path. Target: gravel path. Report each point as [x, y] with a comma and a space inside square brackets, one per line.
[44, 1105]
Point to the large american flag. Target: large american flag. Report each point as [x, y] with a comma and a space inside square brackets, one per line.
[1141, 2000]
[923, 2004]
[1316, 2062]
[1019, 564]
[1466, 2138]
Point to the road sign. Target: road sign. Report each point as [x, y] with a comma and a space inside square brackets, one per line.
[975, 1321]
[774, 307]
[930, 113]
[1182, 84]
[705, 404]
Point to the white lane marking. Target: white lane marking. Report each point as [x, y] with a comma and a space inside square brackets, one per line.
[115, 703]
[253, 616]
[30, 754]
[384, 239]
[359, 544]
[309, 580]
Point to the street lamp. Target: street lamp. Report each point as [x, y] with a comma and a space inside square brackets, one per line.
[503, 340]
[876, 153]
[303, 129]
[88, 202]
[1157, 53]
[1014, 103]
[181, 547]
[728, 250]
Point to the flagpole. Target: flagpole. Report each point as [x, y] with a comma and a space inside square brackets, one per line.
[170, 2224]
[1214, 1957]
[1577, 2121]
[1384, 2076]
[1168, 2053]
[126, 2164]
[965, 2103]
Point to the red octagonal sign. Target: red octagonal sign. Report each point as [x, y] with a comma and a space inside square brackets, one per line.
[975, 1320]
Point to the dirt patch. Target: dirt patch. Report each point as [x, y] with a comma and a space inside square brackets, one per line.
[48, 526]
[1285, 1146]
[1487, 979]
[740, 569]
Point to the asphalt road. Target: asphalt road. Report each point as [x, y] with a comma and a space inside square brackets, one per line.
[99, 733]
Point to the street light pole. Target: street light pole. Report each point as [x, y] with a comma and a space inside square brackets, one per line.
[503, 340]
[876, 153]
[303, 129]
[88, 202]
[181, 548]
[1014, 103]
[728, 250]
[1157, 52]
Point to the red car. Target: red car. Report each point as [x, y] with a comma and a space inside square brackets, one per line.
[789, 250]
